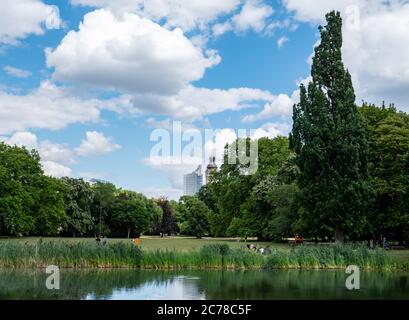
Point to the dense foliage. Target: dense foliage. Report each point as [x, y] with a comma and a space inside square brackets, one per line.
[343, 174]
[32, 203]
[344, 177]
[329, 139]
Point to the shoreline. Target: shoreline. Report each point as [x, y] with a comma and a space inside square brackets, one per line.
[215, 257]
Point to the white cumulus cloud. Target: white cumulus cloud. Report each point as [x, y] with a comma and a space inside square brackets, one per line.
[47, 107]
[22, 18]
[128, 53]
[375, 46]
[55, 157]
[253, 15]
[193, 103]
[184, 14]
[95, 143]
[280, 105]
[16, 72]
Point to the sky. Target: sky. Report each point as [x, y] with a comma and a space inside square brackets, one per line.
[97, 86]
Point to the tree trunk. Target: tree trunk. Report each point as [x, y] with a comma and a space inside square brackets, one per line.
[339, 235]
[129, 232]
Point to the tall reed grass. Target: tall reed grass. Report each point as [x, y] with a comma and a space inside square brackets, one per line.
[70, 255]
[15, 254]
[332, 257]
[214, 256]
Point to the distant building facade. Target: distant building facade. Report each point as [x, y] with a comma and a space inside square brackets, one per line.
[192, 182]
[211, 167]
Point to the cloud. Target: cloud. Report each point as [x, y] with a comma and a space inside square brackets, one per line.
[47, 107]
[96, 143]
[215, 147]
[52, 107]
[54, 157]
[15, 72]
[184, 14]
[130, 54]
[280, 105]
[156, 192]
[221, 28]
[281, 41]
[55, 169]
[314, 11]
[25, 17]
[59, 153]
[57, 157]
[24, 138]
[253, 15]
[375, 44]
[175, 165]
[168, 124]
[193, 103]
[87, 175]
[271, 130]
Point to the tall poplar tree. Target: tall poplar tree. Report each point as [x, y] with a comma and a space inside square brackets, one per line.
[329, 139]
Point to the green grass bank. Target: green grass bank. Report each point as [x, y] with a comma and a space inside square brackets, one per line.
[17, 254]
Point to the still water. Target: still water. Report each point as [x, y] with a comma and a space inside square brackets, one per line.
[135, 284]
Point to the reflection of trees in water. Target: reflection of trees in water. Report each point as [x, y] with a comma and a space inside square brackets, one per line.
[74, 284]
[301, 285]
[100, 284]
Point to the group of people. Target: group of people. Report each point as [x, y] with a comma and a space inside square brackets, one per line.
[382, 241]
[262, 250]
[101, 239]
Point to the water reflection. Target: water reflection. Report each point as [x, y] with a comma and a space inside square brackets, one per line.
[142, 285]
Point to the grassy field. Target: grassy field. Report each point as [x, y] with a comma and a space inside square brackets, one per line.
[181, 244]
[187, 252]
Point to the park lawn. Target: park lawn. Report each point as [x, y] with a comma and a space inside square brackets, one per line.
[400, 255]
[153, 243]
[186, 244]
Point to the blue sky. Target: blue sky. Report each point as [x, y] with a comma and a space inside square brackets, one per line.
[86, 82]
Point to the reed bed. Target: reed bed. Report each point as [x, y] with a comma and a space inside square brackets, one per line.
[68, 255]
[215, 256]
[332, 257]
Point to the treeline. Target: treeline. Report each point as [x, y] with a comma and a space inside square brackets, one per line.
[343, 173]
[32, 203]
[269, 204]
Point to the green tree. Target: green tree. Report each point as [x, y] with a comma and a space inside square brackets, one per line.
[78, 198]
[20, 173]
[330, 141]
[131, 214]
[405, 210]
[51, 217]
[195, 216]
[155, 213]
[389, 143]
[230, 197]
[102, 206]
[169, 223]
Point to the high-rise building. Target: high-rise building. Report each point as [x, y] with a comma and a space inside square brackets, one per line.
[211, 167]
[192, 182]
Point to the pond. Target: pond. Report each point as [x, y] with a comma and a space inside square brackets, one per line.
[121, 284]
